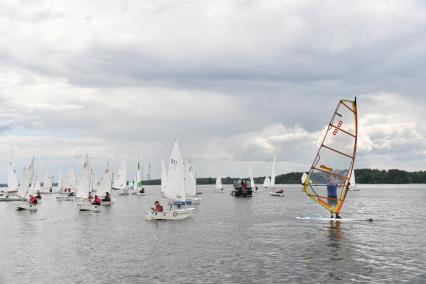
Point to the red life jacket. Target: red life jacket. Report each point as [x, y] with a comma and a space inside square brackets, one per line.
[159, 208]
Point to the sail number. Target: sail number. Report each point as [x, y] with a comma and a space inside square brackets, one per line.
[336, 130]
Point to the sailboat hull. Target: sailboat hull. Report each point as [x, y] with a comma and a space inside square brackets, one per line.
[26, 206]
[279, 194]
[85, 206]
[10, 198]
[169, 215]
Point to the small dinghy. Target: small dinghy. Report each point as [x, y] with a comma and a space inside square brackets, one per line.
[10, 198]
[25, 205]
[242, 188]
[190, 184]
[125, 192]
[218, 187]
[87, 206]
[174, 191]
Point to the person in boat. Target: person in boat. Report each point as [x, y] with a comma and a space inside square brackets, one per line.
[97, 200]
[244, 184]
[90, 197]
[157, 207]
[280, 191]
[142, 190]
[33, 200]
[71, 194]
[332, 194]
[107, 197]
[38, 196]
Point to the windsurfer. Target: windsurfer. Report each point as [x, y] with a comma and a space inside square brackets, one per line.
[332, 194]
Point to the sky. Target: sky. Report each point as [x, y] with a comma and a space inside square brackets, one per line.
[230, 80]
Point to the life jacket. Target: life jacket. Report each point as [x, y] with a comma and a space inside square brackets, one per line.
[97, 201]
[159, 208]
[33, 200]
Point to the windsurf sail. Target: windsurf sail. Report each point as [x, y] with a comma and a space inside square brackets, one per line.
[334, 162]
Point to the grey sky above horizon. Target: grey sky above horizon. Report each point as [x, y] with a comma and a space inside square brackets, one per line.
[230, 80]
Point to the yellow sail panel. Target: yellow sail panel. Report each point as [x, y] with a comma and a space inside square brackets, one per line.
[328, 179]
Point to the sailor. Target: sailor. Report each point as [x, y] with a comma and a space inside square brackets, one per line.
[90, 197]
[33, 200]
[158, 207]
[142, 190]
[107, 197]
[332, 195]
[38, 196]
[97, 200]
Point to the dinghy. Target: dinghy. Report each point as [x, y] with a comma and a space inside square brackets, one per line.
[329, 176]
[121, 180]
[190, 184]
[242, 188]
[26, 189]
[47, 182]
[266, 182]
[279, 193]
[352, 183]
[175, 190]
[12, 182]
[253, 185]
[105, 187]
[219, 187]
[137, 184]
[67, 188]
[83, 187]
[274, 162]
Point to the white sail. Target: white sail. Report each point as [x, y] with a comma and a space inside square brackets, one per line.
[137, 184]
[266, 182]
[253, 186]
[69, 180]
[352, 186]
[219, 183]
[175, 189]
[274, 162]
[26, 183]
[12, 179]
[47, 181]
[36, 186]
[121, 177]
[163, 176]
[105, 183]
[83, 185]
[190, 180]
[303, 178]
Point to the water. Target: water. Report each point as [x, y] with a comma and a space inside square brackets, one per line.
[228, 240]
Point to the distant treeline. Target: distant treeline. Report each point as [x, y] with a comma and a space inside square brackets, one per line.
[367, 176]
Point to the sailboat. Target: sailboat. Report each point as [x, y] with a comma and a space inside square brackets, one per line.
[163, 177]
[352, 185]
[175, 190]
[60, 182]
[252, 184]
[83, 187]
[267, 182]
[47, 182]
[26, 189]
[334, 162]
[190, 184]
[219, 186]
[105, 186]
[12, 182]
[121, 179]
[67, 188]
[137, 184]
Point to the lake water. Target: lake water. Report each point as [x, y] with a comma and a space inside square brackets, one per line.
[228, 240]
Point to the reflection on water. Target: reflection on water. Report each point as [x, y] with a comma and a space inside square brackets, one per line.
[228, 240]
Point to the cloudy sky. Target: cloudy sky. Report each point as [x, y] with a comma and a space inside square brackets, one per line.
[231, 80]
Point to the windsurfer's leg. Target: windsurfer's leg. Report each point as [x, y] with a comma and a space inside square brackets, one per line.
[338, 216]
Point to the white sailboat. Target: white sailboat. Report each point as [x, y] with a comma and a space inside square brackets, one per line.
[12, 182]
[352, 183]
[67, 186]
[252, 184]
[60, 181]
[219, 186]
[121, 180]
[105, 185]
[163, 177]
[26, 189]
[175, 190]
[137, 184]
[267, 182]
[83, 187]
[190, 184]
[47, 182]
